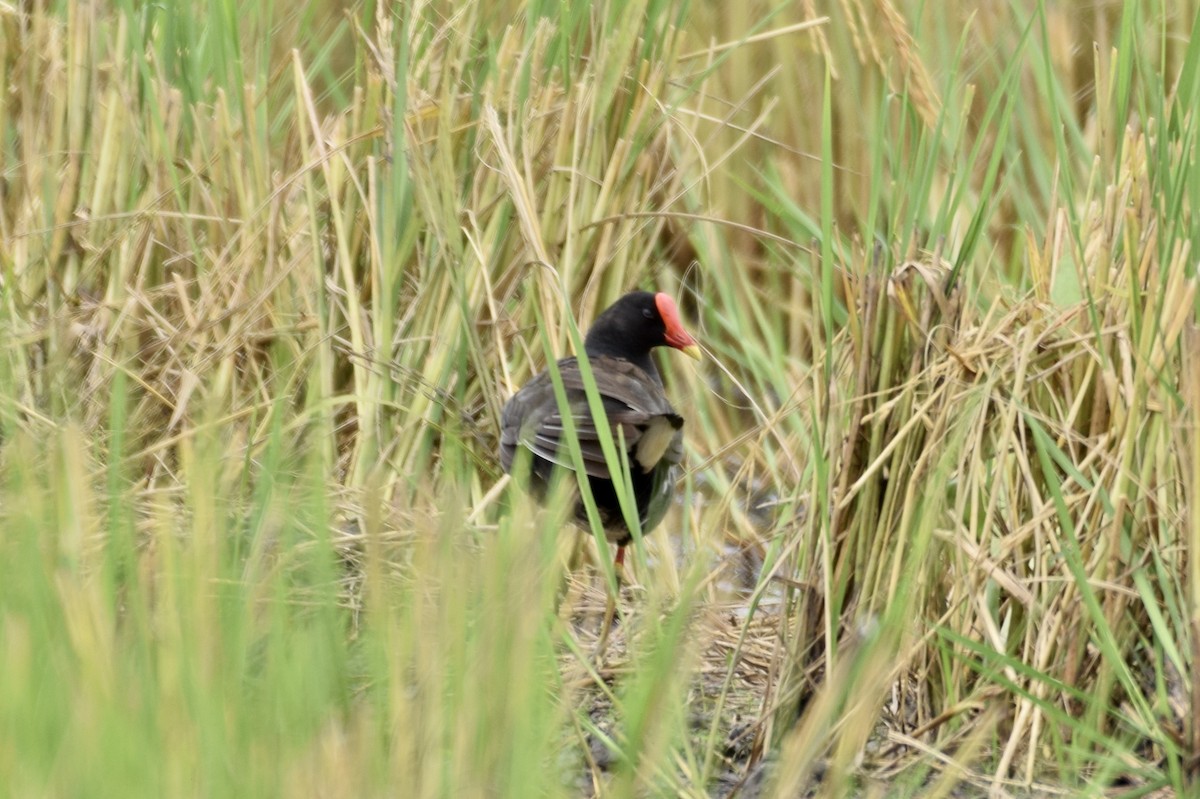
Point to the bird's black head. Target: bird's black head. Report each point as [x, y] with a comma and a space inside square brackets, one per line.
[637, 323]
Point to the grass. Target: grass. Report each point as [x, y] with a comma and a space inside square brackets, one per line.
[267, 277]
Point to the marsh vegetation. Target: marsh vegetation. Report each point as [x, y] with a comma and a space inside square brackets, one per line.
[269, 273]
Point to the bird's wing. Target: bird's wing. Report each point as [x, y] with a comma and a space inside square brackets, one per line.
[634, 403]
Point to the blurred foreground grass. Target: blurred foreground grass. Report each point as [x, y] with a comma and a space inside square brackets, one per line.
[268, 276]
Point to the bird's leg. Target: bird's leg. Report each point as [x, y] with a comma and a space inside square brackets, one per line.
[610, 603]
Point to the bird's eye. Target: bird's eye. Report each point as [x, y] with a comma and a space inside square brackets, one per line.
[646, 312]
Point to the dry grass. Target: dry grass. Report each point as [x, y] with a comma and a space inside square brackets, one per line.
[263, 296]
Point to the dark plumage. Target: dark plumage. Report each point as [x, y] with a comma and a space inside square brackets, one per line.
[618, 348]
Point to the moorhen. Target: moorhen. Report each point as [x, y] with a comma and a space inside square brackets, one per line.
[618, 349]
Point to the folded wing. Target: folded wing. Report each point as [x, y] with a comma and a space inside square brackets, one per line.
[634, 404]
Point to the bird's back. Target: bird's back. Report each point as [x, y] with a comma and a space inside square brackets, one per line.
[634, 404]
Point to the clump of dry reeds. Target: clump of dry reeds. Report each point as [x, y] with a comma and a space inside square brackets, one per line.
[262, 301]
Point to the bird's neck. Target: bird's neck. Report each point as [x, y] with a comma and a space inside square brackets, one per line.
[640, 359]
